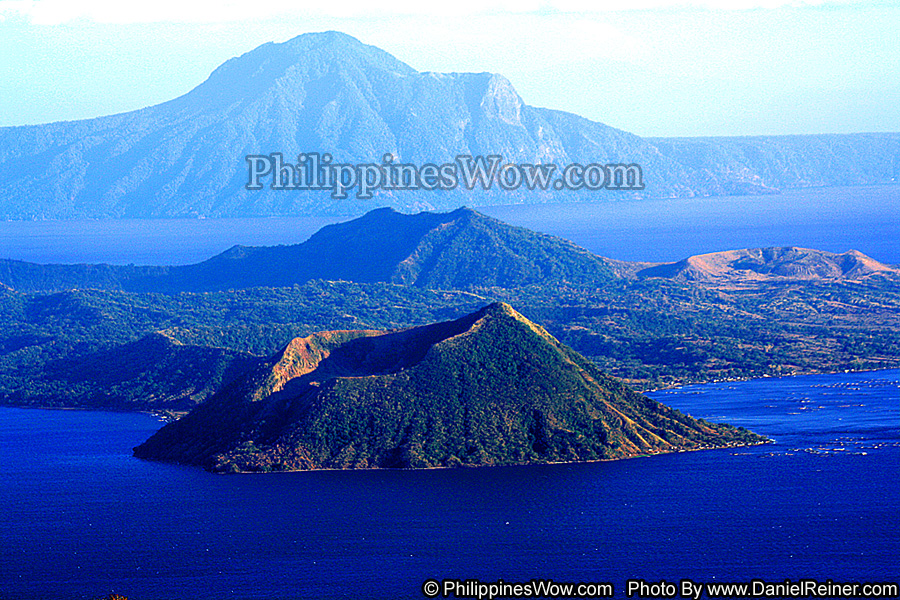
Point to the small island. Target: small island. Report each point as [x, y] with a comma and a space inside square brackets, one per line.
[490, 388]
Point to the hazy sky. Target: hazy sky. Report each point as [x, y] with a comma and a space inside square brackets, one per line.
[659, 67]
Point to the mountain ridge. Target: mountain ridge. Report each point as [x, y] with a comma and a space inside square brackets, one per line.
[460, 249]
[328, 92]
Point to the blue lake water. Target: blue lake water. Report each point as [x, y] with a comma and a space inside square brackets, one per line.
[81, 517]
[834, 219]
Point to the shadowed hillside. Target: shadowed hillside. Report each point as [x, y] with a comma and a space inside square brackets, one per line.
[456, 250]
[152, 373]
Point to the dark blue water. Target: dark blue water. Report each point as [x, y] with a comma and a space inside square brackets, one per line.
[82, 518]
[147, 241]
[833, 219]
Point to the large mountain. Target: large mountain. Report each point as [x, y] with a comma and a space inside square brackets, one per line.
[328, 92]
[315, 93]
[486, 389]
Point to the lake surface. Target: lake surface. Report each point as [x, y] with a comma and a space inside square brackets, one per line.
[81, 517]
[834, 219]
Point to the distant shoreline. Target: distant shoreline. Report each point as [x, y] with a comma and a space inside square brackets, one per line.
[167, 416]
[659, 227]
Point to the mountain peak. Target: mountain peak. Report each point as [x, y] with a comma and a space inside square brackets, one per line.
[343, 46]
[295, 62]
[501, 309]
[322, 38]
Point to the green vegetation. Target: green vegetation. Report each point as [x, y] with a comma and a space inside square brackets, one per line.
[92, 344]
[486, 389]
[101, 348]
[118, 350]
[659, 332]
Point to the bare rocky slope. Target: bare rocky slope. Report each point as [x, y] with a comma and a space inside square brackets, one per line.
[770, 263]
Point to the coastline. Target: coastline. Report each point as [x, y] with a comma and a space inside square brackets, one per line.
[631, 502]
[168, 416]
[681, 384]
[726, 446]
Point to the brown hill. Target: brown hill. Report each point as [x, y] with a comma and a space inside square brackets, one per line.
[768, 263]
